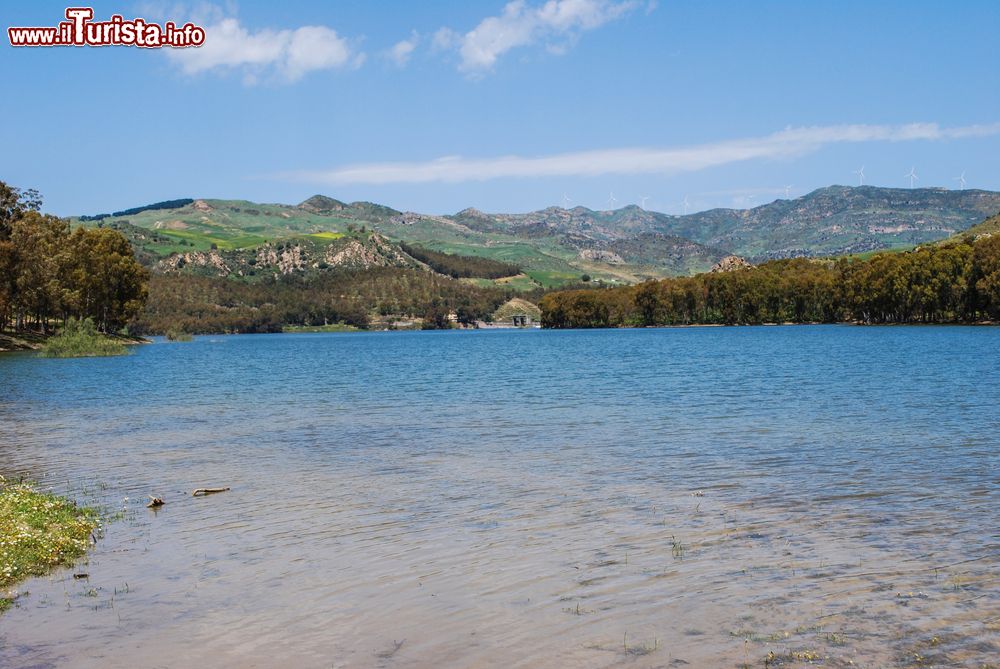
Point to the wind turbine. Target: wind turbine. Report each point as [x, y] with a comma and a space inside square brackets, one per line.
[961, 181]
[643, 198]
[611, 200]
[686, 205]
[912, 176]
[566, 201]
[861, 176]
[788, 189]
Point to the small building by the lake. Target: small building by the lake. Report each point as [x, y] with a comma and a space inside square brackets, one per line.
[515, 313]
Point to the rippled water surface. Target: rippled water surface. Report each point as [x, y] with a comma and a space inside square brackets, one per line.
[709, 496]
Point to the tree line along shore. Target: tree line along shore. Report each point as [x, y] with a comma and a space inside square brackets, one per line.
[87, 283]
[954, 282]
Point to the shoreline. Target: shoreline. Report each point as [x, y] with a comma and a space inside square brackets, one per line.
[11, 342]
[678, 326]
[29, 340]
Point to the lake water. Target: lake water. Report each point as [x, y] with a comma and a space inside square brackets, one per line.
[521, 499]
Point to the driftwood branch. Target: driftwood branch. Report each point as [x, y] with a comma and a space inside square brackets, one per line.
[155, 502]
[207, 491]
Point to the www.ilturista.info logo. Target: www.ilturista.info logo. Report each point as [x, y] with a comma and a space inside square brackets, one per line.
[80, 30]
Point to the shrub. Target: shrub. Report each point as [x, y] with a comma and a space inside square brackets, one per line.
[80, 338]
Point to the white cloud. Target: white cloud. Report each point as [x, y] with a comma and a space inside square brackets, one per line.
[788, 143]
[401, 51]
[287, 54]
[557, 22]
[444, 39]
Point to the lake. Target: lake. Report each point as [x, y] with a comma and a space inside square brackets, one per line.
[705, 496]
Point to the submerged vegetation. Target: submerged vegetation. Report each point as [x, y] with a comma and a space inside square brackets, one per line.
[38, 531]
[80, 339]
[954, 283]
[178, 335]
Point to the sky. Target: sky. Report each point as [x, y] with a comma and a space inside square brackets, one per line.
[435, 106]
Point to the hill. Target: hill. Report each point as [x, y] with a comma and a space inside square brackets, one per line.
[555, 246]
[296, 255]
[988, 228]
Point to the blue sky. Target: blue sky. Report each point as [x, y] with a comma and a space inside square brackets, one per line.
[435, 106]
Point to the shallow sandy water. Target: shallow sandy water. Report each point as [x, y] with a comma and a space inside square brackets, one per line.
[608, 499]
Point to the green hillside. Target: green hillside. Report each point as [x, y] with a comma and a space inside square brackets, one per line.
[556, 246]
[988, 228]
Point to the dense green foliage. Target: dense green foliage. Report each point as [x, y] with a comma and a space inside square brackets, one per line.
[50, 272]
[80, 339]
[462, 267]
[201, 304]
[954, 283]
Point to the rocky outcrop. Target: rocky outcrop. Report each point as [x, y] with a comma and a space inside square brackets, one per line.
[287, 260]
[293, 256]
[377, 252]
[406, 218]
[354, 254]
[600, 255]
[210, 259]
[731, 264]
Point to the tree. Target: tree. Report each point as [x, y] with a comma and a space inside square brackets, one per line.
[958, 281]
[49, 272]
[14, 202]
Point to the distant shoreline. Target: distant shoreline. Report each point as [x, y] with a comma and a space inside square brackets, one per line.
[352, 330]
[34, 341]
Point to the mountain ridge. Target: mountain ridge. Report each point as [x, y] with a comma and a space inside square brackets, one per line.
[556, 245]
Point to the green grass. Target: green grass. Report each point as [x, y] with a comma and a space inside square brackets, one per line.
[38, 532]
[326, 235]
[80, 339]
[204, 240]
[520, 282]
[553, 279]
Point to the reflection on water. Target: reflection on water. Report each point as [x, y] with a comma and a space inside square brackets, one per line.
[609, 498]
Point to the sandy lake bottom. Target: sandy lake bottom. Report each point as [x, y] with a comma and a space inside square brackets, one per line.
[719, 497]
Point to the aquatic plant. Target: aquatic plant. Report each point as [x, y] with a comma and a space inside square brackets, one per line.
[676, 548]
[80, 338]
[39, 531]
